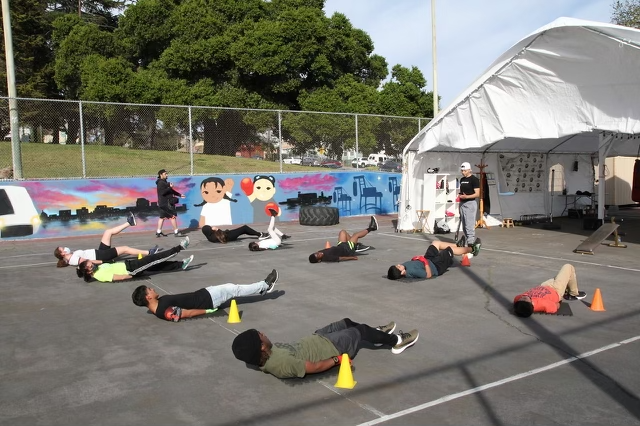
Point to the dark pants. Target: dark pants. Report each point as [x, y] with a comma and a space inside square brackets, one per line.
[346, 336]
[155, 262]
[230, 234]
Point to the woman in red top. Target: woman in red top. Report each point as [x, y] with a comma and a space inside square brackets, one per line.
[547, 296]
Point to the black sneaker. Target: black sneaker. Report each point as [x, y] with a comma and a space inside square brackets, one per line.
[263, 236]
[273, 212]
[131, 219]
[285, 237]
[581, 295]
[406, 340]
[361, 247]
[271, 281]
[475, 247]
[373, 224]
[154, 250]
[160, 234]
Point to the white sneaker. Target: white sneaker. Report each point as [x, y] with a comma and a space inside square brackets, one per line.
[184, 243]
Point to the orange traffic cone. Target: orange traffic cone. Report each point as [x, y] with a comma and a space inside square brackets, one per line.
[345, 375]
[328, 245]
[465, 260]
[234, 315]
[596, 303]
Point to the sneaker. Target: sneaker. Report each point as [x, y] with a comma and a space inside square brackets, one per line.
[131, 219]
[405, 340]
[373, 225]
[154, 250]
[178, 234]
[476, 247]
[581, 295]
[285, 237]
[361, 247]
[389, 329]
[184, 243]
[160, 234]
[273, 212]
[263, 236]
[271, 281]
[220, 235]
[186, 262]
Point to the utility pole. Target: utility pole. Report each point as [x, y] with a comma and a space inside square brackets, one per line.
[435, 57]
[11, 90]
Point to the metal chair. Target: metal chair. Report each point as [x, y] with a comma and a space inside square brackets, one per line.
[366, 191]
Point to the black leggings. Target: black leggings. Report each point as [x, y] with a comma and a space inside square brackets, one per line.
[155, 262]
[230, 234]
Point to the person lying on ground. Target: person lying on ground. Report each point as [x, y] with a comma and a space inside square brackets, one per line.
[174, 307]
[347, 246]
[435, 262]
[217, 235]
[104, 252]
[127, 269]
[547, 296]
[275, 236]
[319, 352]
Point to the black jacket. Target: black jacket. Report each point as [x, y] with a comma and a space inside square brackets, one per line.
[166, 194]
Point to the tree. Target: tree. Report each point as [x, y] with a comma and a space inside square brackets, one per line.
[626, 13]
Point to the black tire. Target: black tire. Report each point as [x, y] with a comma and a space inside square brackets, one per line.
[319, 216]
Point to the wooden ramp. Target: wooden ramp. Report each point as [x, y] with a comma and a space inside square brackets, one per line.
[598, 236]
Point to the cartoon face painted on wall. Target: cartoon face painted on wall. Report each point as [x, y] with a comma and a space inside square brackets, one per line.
[216, 196]
[260, 192]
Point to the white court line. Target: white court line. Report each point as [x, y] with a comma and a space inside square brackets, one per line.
[518, 253]
[453, 396]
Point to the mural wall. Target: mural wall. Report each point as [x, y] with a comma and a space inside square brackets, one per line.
[62, 208]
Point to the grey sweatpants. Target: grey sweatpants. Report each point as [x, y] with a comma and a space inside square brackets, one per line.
[468, 212]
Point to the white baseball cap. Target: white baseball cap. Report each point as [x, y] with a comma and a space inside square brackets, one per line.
[465, 166]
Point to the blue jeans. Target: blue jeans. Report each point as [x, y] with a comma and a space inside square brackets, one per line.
[222, 293]
[468, 212]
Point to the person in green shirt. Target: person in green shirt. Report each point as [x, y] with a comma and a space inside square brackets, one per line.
[159, 262]
[319, 352]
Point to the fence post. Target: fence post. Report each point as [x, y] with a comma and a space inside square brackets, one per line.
[191, 140]
[357, 151]
[84, 162]
[280, 138]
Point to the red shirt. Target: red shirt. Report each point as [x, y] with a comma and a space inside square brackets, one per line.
[544, 299]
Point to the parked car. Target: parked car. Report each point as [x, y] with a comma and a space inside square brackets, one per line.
[391, 166]
[359, 162]
[310, 161]
[376, 159]
[257, 157]
[332, 164]
[292, 160]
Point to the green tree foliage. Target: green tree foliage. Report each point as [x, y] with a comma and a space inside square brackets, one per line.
[626, 13]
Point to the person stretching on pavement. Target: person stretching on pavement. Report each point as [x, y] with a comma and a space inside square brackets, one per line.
[275, 236]
[547, 296]
[319, 352]
[174, 307]
[347, 246]
[435, 262]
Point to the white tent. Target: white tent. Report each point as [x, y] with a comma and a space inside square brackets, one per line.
[569, 92]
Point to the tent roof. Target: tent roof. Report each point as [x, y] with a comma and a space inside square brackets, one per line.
[555, 90]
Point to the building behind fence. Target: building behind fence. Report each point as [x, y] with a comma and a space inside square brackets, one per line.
[81, 139]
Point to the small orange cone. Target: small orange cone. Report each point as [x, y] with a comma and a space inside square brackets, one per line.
[328, 245]
[345, 375]
[234, 315]
[596, 303]
[465, 260]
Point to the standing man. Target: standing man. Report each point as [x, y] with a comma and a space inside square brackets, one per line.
[167, 204]
[469, 193]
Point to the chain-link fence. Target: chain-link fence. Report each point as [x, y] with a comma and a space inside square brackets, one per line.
[79, 139]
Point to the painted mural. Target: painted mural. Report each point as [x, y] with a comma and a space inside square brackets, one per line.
[49, 209]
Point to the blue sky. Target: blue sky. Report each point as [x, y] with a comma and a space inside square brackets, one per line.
[470, 34]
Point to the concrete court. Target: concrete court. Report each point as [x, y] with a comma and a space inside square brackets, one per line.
[76, 353]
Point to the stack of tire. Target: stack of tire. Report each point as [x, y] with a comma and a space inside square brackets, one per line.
[319, 216]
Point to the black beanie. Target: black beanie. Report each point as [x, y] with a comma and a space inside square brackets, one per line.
[247, 347]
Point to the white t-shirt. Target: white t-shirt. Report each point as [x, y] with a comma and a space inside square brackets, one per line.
[269, 243]
[85, 254]
[216, 214]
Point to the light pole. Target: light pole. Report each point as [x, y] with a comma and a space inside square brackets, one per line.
[435, 57]
[11, 90]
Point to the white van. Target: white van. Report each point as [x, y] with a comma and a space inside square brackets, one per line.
[375, 159]
[18, 215]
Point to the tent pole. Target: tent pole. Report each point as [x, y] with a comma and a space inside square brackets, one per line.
[606, 142]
